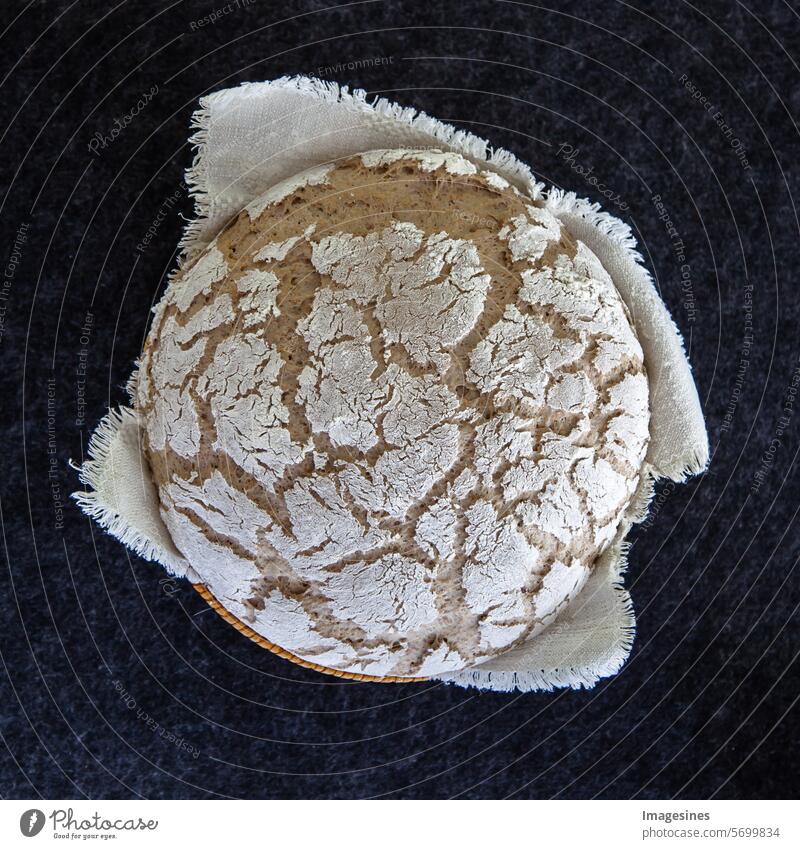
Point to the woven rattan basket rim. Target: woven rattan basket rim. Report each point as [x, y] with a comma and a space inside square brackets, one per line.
[266, 644]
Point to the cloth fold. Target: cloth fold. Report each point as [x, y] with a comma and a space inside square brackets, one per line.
[249, 138]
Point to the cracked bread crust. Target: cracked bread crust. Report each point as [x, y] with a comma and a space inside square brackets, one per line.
[394, 414]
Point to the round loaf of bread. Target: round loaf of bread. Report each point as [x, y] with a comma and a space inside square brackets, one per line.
[394, 414]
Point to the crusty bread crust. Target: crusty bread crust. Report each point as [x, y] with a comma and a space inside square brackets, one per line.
[394, 414]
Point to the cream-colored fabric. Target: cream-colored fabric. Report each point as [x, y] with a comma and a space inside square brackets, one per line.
[120, 493]
[678, 440]
[250, 138]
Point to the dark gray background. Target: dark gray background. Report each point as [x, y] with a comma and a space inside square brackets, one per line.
[707, 703]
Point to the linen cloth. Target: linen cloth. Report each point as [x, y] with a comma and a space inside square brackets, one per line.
[249, 138]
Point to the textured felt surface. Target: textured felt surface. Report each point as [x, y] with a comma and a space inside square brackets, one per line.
[103, 659]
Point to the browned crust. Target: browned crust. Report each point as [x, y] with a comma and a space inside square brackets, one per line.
[286, 655]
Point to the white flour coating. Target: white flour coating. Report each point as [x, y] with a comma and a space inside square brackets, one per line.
[312, 177]
[399, 448]
[428, 160]
[427, 311]
[529, 235]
